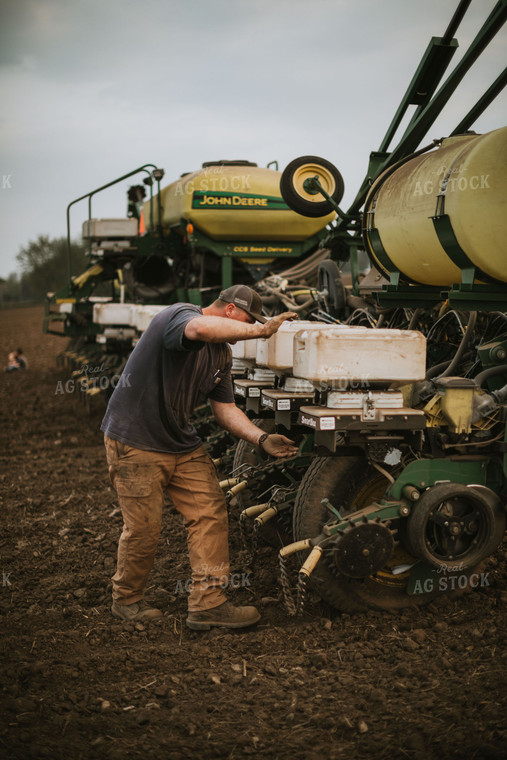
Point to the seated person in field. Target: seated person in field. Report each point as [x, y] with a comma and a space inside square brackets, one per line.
[16, 360]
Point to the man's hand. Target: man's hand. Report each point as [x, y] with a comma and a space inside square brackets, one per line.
[279, 446]
[271, 326]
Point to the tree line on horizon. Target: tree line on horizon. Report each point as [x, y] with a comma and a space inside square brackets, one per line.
[43, 268]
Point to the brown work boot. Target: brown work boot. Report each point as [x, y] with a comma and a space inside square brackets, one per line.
[226, 615]
[136, 611]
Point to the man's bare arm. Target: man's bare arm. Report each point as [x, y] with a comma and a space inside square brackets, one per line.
[236, 422]
[225, 330]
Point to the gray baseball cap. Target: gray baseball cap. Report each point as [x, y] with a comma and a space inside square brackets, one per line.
[245, 298]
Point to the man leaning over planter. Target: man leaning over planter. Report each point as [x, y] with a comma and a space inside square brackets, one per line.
[151, 447]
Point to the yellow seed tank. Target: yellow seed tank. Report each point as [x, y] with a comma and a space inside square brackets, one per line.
[233, 201]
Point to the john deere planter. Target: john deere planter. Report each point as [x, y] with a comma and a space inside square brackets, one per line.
[393, 382]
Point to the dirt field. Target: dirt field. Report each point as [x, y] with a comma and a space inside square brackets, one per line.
[78, 684]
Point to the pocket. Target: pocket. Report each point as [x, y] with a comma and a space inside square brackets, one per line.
[210, 382]
[114, 449]
[132, 487]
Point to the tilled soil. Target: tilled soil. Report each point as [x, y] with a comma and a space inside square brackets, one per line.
[76, 683]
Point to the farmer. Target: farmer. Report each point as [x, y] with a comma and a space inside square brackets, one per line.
[151, 446]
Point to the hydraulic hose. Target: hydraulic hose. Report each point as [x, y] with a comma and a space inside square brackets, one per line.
[436, 369]
[288, 302]
[459, 353]
[501, 369]
[489, 403]
[500, 395]
[414, 318]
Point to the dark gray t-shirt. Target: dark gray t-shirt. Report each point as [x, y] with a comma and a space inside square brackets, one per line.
[164, 380]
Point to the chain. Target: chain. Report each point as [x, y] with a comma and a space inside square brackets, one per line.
[287, 591]
[301, 592]
[255, 540]
[242, 533]
[293, 607]
[250, 549]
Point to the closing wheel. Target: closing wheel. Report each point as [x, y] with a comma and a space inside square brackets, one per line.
[296, 189]
[363, 549]
[453, 524]
[350, 484]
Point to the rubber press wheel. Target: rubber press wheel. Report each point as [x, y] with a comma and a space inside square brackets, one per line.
[302, 199]
[454, 524]
[350, 484]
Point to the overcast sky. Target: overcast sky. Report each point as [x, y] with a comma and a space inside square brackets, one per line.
[91, 89]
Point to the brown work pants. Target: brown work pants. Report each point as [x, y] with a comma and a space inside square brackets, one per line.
[140, 478]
